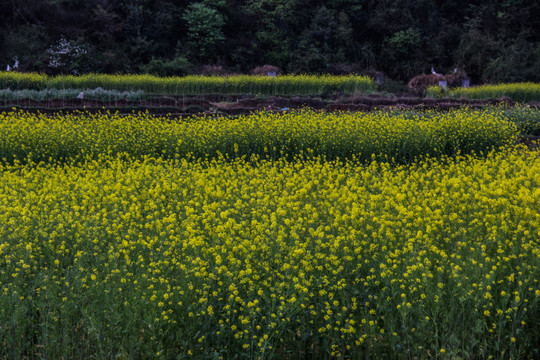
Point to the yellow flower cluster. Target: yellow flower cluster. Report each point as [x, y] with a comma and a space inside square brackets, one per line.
[383, 135]
[521, 92]
[121, 257]
[194, 85]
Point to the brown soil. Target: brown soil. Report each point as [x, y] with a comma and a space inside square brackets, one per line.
[236, 105]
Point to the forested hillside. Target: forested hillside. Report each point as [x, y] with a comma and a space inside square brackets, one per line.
[491, 40]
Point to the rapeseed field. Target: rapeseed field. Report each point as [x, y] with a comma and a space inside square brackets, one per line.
[129, 251]
[393, 136]
[519, 92]
[194, 85]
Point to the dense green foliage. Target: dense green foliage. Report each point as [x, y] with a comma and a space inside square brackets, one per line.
[492, 41]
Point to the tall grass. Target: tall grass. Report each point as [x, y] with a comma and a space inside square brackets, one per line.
[194, 85]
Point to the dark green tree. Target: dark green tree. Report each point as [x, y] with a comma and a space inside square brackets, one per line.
[326, 42]
[204, 32]
[491, 40]
[277, 24]
[403, 54]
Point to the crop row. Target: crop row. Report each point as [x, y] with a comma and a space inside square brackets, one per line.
[158, 258]
[194, 85]
[10, 96]
[398, 137]
[520, 92]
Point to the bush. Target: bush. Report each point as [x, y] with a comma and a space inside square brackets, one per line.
[179, 66]
[394, 87]
[70, 57]
[436, 92]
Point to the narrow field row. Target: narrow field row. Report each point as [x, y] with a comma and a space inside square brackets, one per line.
[394, 136]
[520, 92]
[127, 258]
[194, 85]
[8, 96]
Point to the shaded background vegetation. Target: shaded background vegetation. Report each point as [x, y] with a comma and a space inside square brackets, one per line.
[491, 40]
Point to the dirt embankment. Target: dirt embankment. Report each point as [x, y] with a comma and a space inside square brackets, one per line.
[237, 105]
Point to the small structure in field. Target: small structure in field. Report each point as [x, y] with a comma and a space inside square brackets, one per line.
[456, 78]
[420, 83]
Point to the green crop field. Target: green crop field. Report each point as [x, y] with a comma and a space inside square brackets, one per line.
[519, 92]
[193, 85]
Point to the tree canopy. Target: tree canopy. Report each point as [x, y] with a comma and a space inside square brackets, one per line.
[492, 41]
